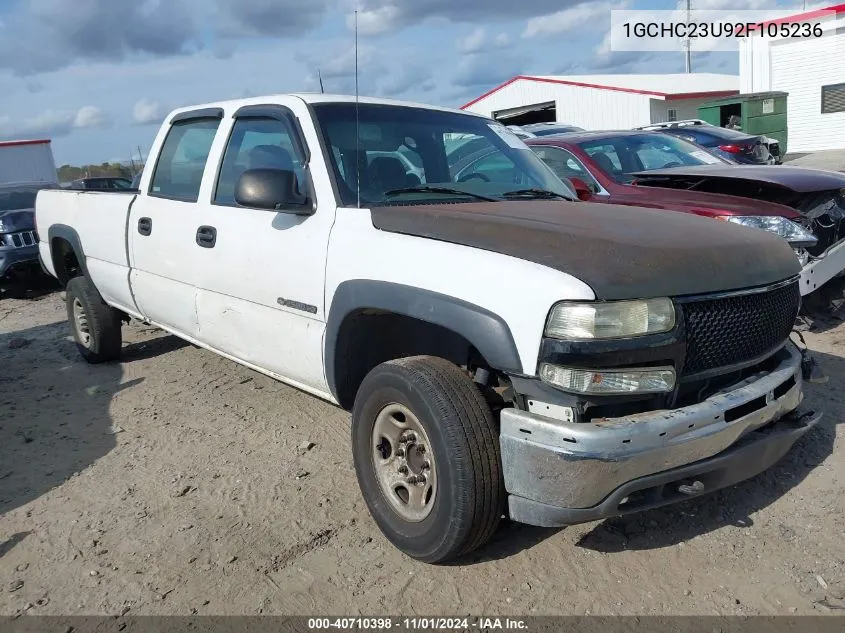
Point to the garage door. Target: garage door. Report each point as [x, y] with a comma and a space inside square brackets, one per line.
[801, 68]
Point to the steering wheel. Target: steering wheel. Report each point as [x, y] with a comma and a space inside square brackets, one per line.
[674, 163]
[473, 175]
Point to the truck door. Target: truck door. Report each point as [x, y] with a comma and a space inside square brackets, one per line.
[262, 272]
[163, 223]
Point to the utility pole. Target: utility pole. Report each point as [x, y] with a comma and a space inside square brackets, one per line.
[689, 42]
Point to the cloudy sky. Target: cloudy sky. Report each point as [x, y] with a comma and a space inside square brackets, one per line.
[98, 76]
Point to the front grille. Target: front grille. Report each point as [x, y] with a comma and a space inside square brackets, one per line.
[20, 239]
[734, 329]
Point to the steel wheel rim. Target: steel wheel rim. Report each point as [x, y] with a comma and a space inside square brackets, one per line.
[80, 323]
[404, 462]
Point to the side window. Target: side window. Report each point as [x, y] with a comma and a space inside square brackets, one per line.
[256, 143]
[565, 165]
[181, 161]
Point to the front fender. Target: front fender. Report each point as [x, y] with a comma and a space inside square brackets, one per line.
[486, 331]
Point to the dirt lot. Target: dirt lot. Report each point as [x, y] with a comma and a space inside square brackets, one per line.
[177, 482]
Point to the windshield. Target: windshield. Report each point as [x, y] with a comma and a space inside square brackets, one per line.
[621, 156]
[404, 155]
[15, 199]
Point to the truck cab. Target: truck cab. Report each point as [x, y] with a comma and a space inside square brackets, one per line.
[502, 351]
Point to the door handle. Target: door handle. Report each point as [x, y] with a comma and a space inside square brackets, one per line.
[145, 226]
[207, 236]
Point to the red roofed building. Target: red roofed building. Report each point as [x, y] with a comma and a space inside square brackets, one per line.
[599, 102]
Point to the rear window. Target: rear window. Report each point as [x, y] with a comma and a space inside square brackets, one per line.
[181, 162]
[720, 133]
[620, 157]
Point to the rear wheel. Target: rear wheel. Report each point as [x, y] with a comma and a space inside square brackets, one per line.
[427, 458]
[96, 326]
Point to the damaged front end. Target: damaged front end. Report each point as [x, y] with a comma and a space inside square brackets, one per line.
[823, 215]
[571, 456]
[818, 198]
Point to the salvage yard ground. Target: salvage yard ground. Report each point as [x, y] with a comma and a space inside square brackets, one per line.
[177, 482]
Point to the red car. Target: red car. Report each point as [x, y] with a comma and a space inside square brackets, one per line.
[650, 169]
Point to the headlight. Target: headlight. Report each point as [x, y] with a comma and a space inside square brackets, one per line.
[793, 233]
[614, 319]
[2, 227]
[609, 381]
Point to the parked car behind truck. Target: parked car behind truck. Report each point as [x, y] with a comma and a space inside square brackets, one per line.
[25, 167]
[651, 169]
[502, 350]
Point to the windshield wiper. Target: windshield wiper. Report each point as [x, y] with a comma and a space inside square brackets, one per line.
[443, 190]
[535, 194]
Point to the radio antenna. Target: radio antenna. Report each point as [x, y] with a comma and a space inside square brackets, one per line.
[357, 121]
[320, 77]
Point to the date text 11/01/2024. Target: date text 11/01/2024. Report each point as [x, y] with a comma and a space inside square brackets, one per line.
[417, 624]
[683, 30]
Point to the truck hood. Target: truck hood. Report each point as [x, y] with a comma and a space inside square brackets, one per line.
[18, 220]
[622, 252]
[797, 179]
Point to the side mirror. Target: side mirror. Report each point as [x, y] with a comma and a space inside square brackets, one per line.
[272, 189]
[582, 189]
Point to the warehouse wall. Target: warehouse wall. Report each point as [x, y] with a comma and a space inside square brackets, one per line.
[684, 108]
[590, 108]
[800, 67]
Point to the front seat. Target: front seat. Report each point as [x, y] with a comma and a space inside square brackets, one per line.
[270, 157]
[387, 173]
[273, 157]
[604, 163]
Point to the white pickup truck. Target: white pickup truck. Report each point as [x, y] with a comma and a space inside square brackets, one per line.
[505, 350]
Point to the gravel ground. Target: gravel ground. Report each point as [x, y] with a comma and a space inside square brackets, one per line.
[177, 482]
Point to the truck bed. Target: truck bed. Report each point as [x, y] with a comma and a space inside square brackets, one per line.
[97, 220]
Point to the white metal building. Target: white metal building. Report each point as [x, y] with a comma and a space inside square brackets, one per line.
[811, 70]
[27, 162]
[601, 102]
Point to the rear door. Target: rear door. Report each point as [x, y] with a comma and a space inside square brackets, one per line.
[163, 223]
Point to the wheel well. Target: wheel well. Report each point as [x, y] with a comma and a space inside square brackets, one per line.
[370, 337]
[65, 260]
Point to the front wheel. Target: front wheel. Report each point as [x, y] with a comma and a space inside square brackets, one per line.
[96, 325]
[427, 458]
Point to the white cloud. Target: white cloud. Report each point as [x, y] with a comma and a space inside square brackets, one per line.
[147, 112]
[52, 123]
[567, 20]
[374, 21]
[473, 42]
[477, 41]
[502, 40]
[91, 116]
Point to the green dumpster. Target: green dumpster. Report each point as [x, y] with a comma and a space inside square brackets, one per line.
[760, 113]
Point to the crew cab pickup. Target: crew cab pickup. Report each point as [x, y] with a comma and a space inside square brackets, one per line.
[502, 351]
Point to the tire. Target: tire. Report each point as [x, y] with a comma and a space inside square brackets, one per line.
[96, 326]
[461, 444]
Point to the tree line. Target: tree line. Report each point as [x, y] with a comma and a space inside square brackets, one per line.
[68, 173]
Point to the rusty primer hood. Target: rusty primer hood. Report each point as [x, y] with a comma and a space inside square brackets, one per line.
[622, 252]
